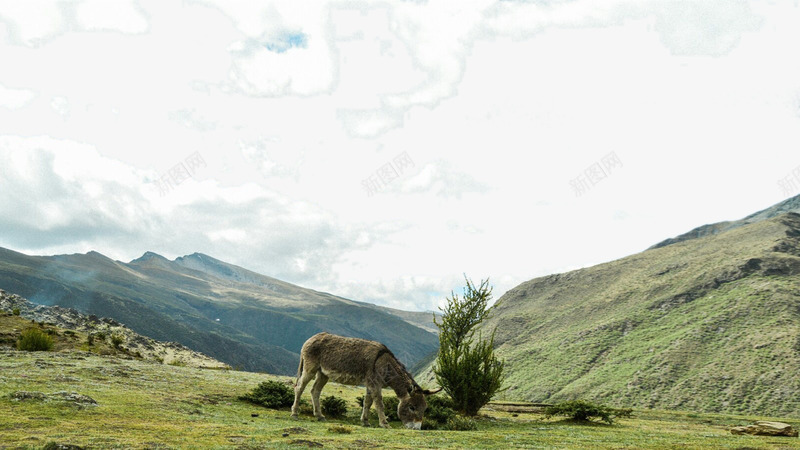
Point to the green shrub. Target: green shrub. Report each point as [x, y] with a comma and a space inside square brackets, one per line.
[15, 311]
[584, 411]
[101, 336]
[440, 409]
[34, 340]
[390, 408]
[333, 406]
[90, 340]
[305, 408]
[270, 394]
[116, 341]
[466, 366]
[460, 423]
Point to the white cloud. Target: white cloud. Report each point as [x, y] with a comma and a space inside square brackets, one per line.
[35, 23]
[277, 56]
[66, 195]
[441, 179]
[15, 98]
[102, 15]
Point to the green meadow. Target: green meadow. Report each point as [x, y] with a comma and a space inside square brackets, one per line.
[142, 404]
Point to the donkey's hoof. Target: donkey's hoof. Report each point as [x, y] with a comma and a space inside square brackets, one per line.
[385, 425]
[294, 417]
[365, 423]
[321, 419]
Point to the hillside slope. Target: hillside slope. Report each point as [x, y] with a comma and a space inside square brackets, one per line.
[237, 316]
[709, 324]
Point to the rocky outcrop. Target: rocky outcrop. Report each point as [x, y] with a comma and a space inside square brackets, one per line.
[103, 328]
[70, 398]
[767, 429]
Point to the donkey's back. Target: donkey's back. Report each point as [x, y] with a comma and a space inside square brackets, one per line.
[343, 359]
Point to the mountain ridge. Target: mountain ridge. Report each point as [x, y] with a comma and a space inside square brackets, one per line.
[791, 204]
[243, 318]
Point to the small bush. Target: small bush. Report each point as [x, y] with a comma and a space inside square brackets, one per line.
[116, 341]
[341, 429]
[582, 410]
[100, 336]
[34, 340]
[440, 409]
[305, 408]
[90, 340]
[270, 394]
[390, 408]
[15, 311]
[333, 406]
[460, 423]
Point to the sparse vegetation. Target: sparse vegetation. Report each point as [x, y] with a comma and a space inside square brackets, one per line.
[34, 340]
[15, 311]
[460, 423]
[270, 394]
[333, 406]
[117, 340]
[582, 410]
[467, 367]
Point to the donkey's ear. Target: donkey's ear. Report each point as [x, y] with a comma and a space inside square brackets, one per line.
[428, 392]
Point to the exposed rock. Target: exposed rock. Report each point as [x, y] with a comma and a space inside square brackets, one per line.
[306, 443]
[73, 398]
[57, 446]
[20, 396]
[767, 429]
[132, 342]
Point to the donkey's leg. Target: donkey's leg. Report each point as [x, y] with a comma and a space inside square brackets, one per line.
[365, 410]
[376, 394]
[302, 382]
[315, 391]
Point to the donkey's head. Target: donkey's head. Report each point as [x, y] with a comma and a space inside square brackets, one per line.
[412, 407]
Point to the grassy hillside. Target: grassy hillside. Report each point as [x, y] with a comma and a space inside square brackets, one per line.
[710, 324]
[240, 317]
[93, 401]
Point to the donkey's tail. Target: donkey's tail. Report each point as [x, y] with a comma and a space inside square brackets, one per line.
[299, 371]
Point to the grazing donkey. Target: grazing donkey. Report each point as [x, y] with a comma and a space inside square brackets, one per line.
[358, 361]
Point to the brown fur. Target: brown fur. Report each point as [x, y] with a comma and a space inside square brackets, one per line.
[358, 362]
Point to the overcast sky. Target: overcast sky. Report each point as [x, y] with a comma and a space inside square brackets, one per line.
[380, 150]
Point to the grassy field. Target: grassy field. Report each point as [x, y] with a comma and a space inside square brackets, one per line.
[142, 404]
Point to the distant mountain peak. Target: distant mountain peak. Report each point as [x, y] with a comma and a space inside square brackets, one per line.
[149, 256]
[201, 257]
